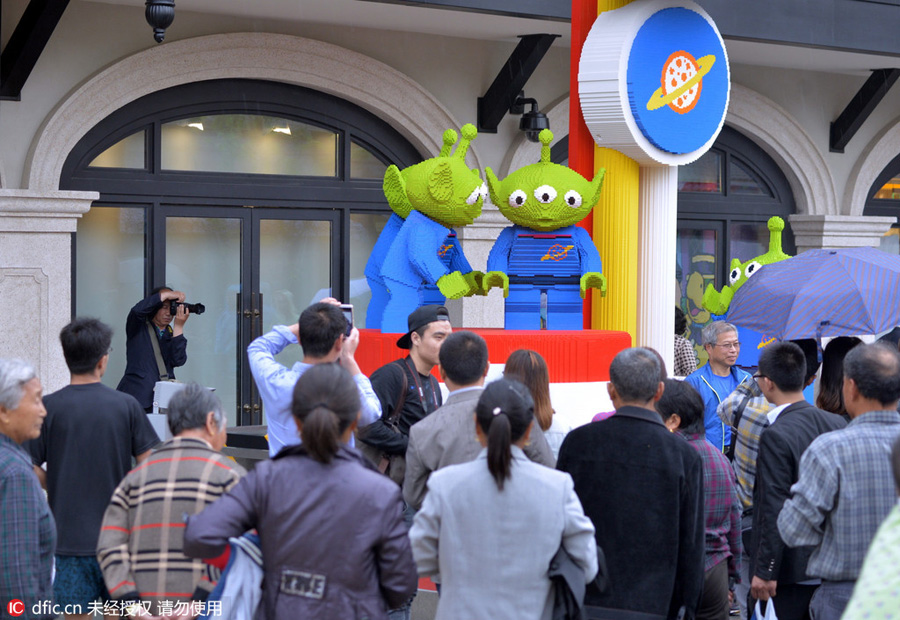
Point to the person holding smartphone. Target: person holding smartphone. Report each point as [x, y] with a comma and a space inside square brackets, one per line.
[322, 332]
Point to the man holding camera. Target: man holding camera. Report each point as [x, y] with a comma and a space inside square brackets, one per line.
[155, 343]
[327, 337]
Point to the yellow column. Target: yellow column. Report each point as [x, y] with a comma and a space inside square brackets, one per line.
[616, 238]
[616, 232]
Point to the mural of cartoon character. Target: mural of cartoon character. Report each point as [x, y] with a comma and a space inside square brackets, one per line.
[718, 302]
[438, 194]
[544, 262]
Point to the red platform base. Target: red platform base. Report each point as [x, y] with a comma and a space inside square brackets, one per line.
[572, 356]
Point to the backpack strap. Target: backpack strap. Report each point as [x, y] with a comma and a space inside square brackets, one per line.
[394, 418]
[735, 424]
[160, 364]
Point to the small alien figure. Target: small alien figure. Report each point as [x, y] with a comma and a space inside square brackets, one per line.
[423, 262]
[544, 255]
[717, 302]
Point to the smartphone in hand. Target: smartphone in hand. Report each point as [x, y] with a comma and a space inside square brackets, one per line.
[347, 309]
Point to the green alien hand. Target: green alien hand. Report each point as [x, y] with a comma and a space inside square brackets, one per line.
[495, 278]
[592, 279]
[716, 302]
[453, 285]
[474, 279]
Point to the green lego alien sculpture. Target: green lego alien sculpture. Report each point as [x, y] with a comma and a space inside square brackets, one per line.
[544, 255]
[425, 263]
[718, 302]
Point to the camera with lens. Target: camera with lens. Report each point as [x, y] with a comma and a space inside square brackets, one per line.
[192, 308]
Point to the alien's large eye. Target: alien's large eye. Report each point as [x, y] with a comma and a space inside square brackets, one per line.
[572, 198]
[752, 268]
[517, 198]
[474, 196]
[545, 194]
[735, 275]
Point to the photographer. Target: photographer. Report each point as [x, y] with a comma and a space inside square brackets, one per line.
[151, 322]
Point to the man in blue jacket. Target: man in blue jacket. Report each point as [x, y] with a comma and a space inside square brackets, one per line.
[718, 377]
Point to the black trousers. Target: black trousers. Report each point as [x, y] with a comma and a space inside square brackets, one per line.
[714, 602]
[792, 601]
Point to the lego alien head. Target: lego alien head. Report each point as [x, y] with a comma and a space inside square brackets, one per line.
[741, 272]
[717, 302]
[442, 188]
[545, 196]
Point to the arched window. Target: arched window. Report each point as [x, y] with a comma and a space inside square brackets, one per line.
[725, 199]
[884, 199]
[255, 198]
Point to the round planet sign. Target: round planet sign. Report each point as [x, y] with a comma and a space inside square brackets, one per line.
[677, 95]
[654, 81]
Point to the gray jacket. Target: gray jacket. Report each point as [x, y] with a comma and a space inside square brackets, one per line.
[447, 437]
[493, 548]
[333, 538]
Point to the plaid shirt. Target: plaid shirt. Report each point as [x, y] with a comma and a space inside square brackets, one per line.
[28, 541]
[845, 490]
[723, 512]
[685, 357]
[141, 543]
[752, 423]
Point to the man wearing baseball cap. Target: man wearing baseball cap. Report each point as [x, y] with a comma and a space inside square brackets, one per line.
[407, 389]
[408, 392]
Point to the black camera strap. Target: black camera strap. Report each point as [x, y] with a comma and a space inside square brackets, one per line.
[154, 342]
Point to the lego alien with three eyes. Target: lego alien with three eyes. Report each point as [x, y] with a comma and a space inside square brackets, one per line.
[544, 262]
[417, 259]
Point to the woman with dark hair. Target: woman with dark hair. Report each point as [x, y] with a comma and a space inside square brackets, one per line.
[831, 383]
[530, 368]
[681, 408]
[491, 526]
[331, 528]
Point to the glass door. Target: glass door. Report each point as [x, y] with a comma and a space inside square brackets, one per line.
[204, 257]
[699, 248]
[252, 269]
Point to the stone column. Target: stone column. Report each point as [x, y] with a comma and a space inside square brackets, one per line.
[477, 241]
[36, 277]
[658, 217]
[838, 231]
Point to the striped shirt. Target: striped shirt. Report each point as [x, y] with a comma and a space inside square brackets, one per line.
[751, 425]
[141, 541]
[28, 539]
[844, 492]
[723, 512]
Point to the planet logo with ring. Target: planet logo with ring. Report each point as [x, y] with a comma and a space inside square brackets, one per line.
[677, 81]
[682, 82]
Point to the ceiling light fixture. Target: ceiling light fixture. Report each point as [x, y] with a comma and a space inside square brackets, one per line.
[159, 14]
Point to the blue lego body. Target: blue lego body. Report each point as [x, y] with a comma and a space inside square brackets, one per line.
[423, 251]
[380, 294]
[544, 263]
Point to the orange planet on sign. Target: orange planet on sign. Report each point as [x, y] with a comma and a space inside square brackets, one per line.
[682, 82]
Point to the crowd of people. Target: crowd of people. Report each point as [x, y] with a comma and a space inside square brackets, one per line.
[724, 493]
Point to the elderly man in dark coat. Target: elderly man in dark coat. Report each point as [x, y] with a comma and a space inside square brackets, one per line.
[643, 489]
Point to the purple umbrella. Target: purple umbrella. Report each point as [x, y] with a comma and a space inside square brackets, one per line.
[821, 293]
